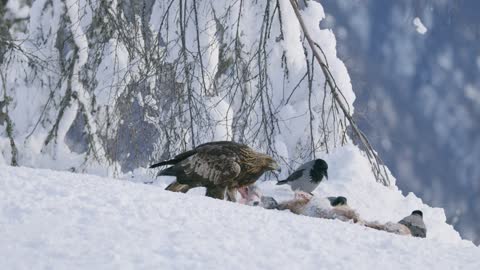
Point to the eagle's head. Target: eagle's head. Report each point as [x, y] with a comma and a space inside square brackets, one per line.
[270, 164]
[257, 163]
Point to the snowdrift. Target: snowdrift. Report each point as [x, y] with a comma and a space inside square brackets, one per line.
[71, 221]
[350, 176]
[60, 220]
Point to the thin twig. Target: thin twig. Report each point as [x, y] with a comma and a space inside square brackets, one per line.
[381, 176]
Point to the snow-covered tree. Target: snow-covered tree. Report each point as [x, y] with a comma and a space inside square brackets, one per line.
[115, 84]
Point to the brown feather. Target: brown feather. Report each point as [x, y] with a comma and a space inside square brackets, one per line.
[220, 164]
[177, 187]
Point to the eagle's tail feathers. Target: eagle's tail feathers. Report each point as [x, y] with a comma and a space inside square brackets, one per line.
[170, 171]
[174, 160]
[160, 164]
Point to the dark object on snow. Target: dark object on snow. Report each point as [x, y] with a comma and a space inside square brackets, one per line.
[217, 166]
[268, 202]
[337, 201]
[329, 208]
[308, 176]
[415, 223]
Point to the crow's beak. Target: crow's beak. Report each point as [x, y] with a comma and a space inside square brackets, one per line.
[326, 174]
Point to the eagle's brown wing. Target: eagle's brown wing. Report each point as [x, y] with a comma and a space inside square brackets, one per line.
[180, 157]
[175, 160]
[211, 165]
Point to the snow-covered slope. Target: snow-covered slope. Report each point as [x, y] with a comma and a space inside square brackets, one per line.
[59, 220]
[350, 176]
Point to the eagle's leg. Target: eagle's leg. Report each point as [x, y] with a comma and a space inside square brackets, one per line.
[232, 194]
[217, 192]
[177, 187]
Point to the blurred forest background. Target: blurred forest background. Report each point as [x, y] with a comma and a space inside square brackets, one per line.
[418, 96]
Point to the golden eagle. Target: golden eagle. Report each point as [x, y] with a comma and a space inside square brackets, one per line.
[217, 166]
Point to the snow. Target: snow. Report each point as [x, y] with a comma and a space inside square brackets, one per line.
[419, 27]
[19, 8]
[60, 220]
[106, 66]
[33, 112]
[349, 176]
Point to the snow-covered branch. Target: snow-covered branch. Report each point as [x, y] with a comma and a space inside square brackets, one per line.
[118, 84]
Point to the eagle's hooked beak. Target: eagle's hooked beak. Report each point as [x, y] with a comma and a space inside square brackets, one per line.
[276, 169]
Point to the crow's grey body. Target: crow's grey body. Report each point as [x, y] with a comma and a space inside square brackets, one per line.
[308, 176]
[415, 223]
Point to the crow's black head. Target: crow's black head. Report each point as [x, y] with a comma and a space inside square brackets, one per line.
[418, 213]
[319, 170]
[337, 201]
